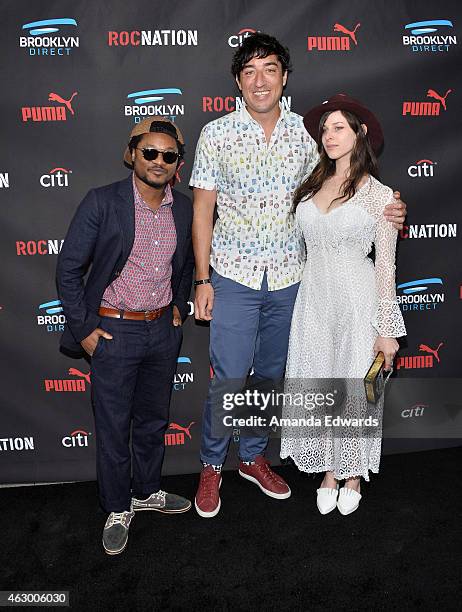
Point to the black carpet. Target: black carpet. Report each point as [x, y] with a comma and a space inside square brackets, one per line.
[400, 549]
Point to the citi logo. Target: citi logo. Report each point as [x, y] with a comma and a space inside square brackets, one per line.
[429, 230]
[144, 104]
[335, 43]
[69, 385]
[57, 177]
[422, 168]
[430, 36]
[78, 438]
[417, 410]
[38, 247]
[17, 444]
[236, 40]
[39, 42]
[4, 180]
[424, 109]
[178, 438]
[49, 113]
[420, 294]
[428, 359]
[181, 379]
[51, 316]
[135, 38]
[228, 104]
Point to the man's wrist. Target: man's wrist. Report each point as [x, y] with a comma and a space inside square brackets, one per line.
[202, 281]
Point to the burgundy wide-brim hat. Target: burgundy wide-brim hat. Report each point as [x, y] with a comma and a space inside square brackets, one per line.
[343, 101]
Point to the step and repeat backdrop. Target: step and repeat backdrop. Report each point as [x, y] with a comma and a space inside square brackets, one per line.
[77, 75]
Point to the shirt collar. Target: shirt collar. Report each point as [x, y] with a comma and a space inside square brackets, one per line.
[284, 117]
[167, 200]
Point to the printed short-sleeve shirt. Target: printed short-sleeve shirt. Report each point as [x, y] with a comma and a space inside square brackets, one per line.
[255, 182]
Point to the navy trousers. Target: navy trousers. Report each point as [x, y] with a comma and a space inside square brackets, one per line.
[250, 329]
[131, 378]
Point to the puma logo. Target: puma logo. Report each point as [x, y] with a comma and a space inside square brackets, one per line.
[338, 27]
[431, 93]
[434, 352]
[53, 97]
[75, 372]
[180, 428]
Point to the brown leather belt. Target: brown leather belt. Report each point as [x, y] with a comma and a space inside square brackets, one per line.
[148, 315]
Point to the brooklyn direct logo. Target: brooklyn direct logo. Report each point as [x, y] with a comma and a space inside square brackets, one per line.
[429, 230]
[433, 36]
[78, 384]
[179, 434]
[38, 247]
[427, 357]
[345, 40]
[162, 38]
[421, 294]
[49, 113]
[51, 316]
[423, 109]
[56, 177]
[49, 37]
[150, 102]
[228, 104]
[236, 40]
[184, 377]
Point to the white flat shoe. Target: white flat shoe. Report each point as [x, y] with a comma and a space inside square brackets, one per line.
[327, 499]
[348, 500]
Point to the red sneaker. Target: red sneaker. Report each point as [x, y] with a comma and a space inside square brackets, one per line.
[207, 500]
[262, 475]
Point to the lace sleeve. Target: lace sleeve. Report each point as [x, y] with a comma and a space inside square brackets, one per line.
[389, 320]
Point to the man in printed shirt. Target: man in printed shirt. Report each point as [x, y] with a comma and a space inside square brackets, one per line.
[136, 234]
[249, 163]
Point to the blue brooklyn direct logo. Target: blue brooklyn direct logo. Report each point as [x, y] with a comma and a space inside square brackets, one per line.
[49, 36]
[434, 35]
[150, 102]
[51, 316]
[421, 294]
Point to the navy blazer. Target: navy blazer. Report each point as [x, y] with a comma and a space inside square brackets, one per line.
[102, 233]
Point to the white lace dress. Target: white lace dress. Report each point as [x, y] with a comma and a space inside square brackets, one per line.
[343, 303]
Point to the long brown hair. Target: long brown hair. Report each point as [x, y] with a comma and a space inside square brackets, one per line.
[362, 161]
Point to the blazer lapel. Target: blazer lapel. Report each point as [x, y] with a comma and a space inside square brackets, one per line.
[126, 214]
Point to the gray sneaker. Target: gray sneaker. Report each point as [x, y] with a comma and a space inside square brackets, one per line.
[162, 502]
[115, 532]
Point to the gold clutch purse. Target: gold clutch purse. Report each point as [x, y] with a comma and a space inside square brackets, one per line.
[374, 381]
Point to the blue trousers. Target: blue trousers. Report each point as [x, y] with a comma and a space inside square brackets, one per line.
[250, 329]
[131, 378]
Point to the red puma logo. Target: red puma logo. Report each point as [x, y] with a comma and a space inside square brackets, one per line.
[53, 97]
[427, 349]
[339, 28]
[180, 428]
[431, 93]
[74, 372]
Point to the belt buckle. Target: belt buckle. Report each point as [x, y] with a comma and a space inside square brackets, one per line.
[146, 315]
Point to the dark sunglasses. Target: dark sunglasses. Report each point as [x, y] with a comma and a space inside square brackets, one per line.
[169, 157]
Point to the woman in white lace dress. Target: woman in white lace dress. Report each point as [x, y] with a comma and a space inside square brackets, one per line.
[346, 309]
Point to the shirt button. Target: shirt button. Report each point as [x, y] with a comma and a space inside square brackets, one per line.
[153, 293]
[156, 242]
[157, 269]
[155, 216]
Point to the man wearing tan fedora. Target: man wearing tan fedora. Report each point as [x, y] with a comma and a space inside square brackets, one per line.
[127, 316]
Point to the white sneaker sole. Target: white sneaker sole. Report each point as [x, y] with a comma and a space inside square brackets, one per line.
[265, 491]
[115, 552]
[209, 514]
[142, 508]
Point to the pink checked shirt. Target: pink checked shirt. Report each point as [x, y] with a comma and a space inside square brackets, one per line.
[145, 281]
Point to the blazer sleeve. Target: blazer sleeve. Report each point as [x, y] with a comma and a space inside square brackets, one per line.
[181, 296]
[73, 262]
